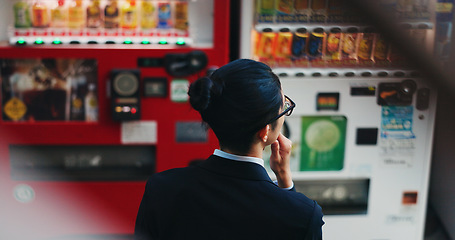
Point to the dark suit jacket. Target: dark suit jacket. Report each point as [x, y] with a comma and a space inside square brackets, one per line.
[224, 199]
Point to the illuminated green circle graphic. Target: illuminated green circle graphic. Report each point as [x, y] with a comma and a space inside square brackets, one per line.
[322, 136]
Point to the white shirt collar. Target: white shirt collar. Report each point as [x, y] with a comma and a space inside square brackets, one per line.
[234, 157]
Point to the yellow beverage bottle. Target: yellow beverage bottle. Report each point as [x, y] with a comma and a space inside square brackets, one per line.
[40, 17]
[59, 15]
[148, 15]
[128, 15]
[76, 18]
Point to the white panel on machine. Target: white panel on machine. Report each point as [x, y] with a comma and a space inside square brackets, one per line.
[361, 148]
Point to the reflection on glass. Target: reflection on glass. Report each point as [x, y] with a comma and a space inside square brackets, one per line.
[49, 89]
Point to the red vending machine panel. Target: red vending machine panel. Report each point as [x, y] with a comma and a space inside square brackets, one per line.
[93, 103]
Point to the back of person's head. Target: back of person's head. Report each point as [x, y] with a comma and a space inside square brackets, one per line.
[236, 101]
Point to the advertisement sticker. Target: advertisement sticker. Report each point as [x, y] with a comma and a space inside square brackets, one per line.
[323, 143]
[397, 141]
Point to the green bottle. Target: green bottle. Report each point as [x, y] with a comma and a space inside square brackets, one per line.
[21, 15]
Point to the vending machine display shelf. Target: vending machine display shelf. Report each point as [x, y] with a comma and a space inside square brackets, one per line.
[54, 40]
[346, 72]
[327, 27]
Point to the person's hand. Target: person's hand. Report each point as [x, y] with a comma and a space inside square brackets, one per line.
[280, 161]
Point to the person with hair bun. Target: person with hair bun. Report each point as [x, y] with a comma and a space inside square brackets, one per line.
[230, 194]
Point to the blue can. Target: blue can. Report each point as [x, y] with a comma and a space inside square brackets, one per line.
[315, 43]
[299, 43]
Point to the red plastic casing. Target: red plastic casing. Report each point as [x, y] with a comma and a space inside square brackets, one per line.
[65, 208]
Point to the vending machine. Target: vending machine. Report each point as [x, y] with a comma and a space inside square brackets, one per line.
[363, 124]
[93, 101]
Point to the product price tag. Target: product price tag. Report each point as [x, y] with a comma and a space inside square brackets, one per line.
[139, 132]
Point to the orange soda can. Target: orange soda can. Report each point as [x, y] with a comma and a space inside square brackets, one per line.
[350, 44]
[333, 44]
[283, 44]
[381, 48]
[366, 45]
[266, 44]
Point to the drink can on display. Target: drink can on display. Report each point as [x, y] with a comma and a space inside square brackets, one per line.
[283, 48]
[335, 11]
[266, 47]
[284, 6]
[316, 43]
[76, 16]
[301, 4]
[265, 11]
[21, 15]
[284, 11]
[164, 15]
[381, 48]
[350, 47]
[181, 16]
[381, 51]
[111, 15]
[148, 15]
[318, 11]
[40, 15]
[59, 15]
[333, 44]
[94, 16]
[366, 47]
[302, 11]
[128, 15]
[299, 43]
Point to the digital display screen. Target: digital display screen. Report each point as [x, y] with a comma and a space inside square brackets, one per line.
[327, 101]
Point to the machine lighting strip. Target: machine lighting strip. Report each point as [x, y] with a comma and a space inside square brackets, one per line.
[51, 40]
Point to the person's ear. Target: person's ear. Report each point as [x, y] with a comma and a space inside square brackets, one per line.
[263, 133]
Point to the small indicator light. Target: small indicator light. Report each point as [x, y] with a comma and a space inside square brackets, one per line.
[128, 41]
[145, 41]
[21, 41]
[118, 109]
[163, 41]
[180, 41]
[133, 110]
[39, 41]
[126, 109]
[57, 41]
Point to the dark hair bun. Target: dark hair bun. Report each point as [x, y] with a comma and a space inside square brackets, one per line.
[200, 93]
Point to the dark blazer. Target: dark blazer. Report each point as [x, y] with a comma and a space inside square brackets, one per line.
[224, 199]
